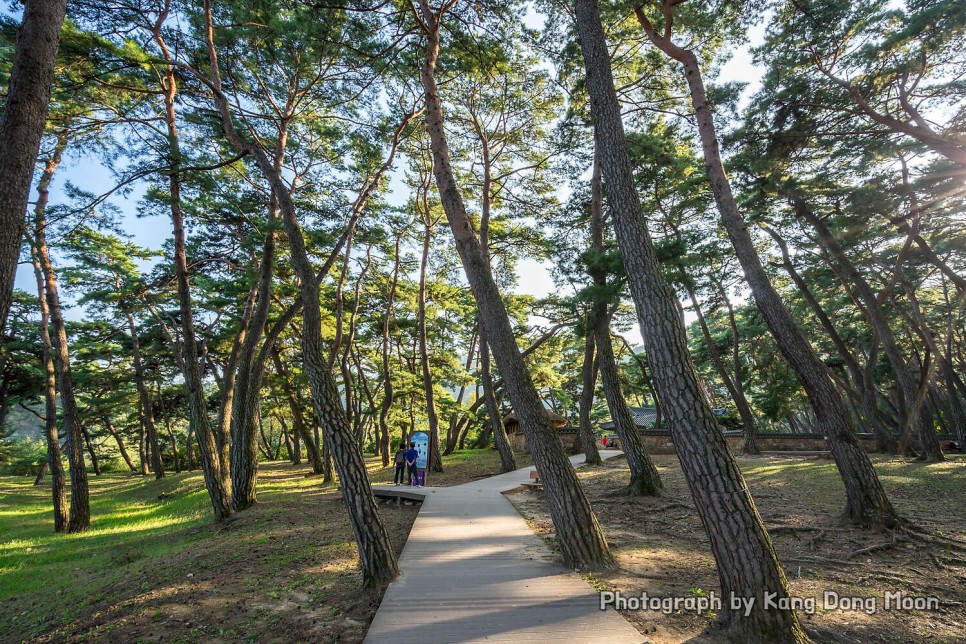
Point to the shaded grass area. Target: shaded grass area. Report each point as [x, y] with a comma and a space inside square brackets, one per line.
[155, 567]
[462, 466]
[663, 551]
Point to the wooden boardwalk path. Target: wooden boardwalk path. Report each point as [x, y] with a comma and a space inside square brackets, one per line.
[472, 570]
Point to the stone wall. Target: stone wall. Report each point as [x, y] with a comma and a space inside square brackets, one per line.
[660, 442]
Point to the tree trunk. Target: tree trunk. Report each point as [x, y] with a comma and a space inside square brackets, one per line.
[39, 480]
[95, 464]
[508, 461]
[747, 563]
[644, 477]
[142, 444]
[885, 442]
[387, 388]
[251, 369]
[21, 128]
[298, 421]
[436, 458]
[744, 410]
[377, 559]
[581, 540]
[147, 405]
[452, 432]
[80, 511]
[586, 402]
[867, 502]
[120, 443]
[216, 479]
[58, 485]
[873, 312]
[171, 437]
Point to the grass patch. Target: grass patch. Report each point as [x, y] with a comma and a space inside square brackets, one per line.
[155, 565]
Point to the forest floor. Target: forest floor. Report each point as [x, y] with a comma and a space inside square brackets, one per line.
[662, 549]
[154, 567]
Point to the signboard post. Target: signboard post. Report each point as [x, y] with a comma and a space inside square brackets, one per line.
[421, 439]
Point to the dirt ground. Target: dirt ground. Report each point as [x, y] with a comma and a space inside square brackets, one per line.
[283, 571]
[662, 549]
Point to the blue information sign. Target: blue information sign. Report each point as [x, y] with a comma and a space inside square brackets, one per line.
[422, 446]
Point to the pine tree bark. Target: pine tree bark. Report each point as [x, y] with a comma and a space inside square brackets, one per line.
[747, 563]
[867, 502]
[588, 376]
[644, 477]
[377, 559]
[22, 127]
[80, 510]
[744, 411]
[216, 479]
[436, 458]
[581, 540]
[58, 487]
[251, 369]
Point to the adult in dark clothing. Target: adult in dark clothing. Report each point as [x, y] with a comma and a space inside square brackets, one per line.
[400, 460]
[411, 468]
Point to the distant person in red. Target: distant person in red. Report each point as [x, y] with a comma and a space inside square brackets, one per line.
[400, 460]
[604, 442]
[411, 468]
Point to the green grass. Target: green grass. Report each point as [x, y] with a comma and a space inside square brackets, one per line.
[130, 524]
[137, 541]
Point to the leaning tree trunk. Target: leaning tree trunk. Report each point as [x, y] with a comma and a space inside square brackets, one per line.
[216, 479]
[22, 127]
[377, 559]
[588, 379]
[58, 486]
[120, 443]
[750, 444]
[298, 421]
[867, 502]
[581, 540]
[251, 369]
[747, 563]
[885, 442]
[744, 411]
[80, 510]
[644, 477]
[873, 312]
[508, 461]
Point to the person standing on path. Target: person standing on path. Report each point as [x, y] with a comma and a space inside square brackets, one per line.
[411, 457]
[400, 460]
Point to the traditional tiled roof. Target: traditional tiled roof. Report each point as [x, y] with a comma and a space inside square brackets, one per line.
[644, 417]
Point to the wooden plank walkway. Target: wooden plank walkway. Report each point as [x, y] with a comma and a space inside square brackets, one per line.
[472, 570]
